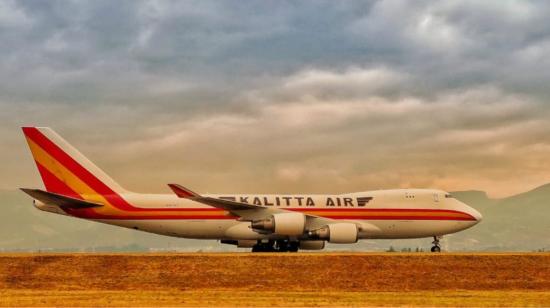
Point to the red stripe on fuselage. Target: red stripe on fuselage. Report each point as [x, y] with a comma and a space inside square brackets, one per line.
[223, 217]
[312, 209]
[331, 215]
[400, 218]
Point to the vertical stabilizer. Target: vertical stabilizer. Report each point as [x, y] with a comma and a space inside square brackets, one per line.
[64, 170]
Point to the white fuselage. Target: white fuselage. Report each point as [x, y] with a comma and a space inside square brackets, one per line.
[384, 214]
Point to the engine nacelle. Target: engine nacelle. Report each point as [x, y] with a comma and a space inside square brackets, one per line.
[339, 233]
[312, 245]
[282, 223]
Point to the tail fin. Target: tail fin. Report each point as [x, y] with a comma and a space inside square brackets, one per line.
[64, 170]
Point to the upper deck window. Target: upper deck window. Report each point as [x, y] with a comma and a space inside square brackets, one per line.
[409, 195]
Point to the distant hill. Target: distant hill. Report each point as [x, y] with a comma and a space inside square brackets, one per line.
[517, 223]
[520, 222]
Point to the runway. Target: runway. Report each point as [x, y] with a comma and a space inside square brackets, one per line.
[300, 279]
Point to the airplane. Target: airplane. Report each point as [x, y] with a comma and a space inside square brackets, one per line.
[76, 187]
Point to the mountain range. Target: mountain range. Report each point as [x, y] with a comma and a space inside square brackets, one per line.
[517, 223]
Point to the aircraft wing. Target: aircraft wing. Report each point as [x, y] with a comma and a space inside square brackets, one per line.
[244, 210]
[251, 212]
[59, 200]
[227, 205]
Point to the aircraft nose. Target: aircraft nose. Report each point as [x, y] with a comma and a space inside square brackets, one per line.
[477, 215]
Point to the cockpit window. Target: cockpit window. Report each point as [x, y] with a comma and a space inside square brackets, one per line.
[448, 196]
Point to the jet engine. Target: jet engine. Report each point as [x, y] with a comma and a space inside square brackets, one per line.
[282, 223]
[340, 233]
[312, 245]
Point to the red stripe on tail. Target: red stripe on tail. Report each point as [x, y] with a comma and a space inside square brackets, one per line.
[83, 174]
[72, 165]
[54, 184]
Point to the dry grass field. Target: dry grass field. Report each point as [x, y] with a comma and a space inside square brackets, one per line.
[308, 279]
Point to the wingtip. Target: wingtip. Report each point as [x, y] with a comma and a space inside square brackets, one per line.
[182, 192]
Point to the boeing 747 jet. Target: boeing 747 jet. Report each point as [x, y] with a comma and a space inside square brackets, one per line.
[74, 186]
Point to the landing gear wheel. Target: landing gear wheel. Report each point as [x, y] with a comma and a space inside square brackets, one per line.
[293, 246]
[264, 247]
[436, 247]
[282, 246]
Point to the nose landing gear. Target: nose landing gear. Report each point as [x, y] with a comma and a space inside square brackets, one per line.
[436, 247]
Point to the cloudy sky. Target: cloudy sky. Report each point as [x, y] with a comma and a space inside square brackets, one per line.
[274, 96]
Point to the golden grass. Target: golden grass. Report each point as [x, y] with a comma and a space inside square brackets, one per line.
[277, 299]
[303, 279]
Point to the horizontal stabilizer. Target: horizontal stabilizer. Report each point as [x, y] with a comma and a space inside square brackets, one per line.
[59, 200]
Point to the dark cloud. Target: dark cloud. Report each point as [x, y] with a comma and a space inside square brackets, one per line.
[100, 50]
[306, 96]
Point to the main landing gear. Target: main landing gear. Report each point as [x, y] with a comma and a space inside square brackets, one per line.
[436, 247]
[276, 246]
